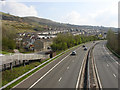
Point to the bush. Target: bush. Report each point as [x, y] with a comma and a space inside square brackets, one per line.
[8, 44]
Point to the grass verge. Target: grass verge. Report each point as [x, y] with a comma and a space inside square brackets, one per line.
[113, 51]
[4, 52]
[9, 75]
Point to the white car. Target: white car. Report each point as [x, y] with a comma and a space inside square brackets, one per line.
[73, 53]
[2, 54]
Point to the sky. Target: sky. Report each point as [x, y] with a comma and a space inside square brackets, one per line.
[78, 12]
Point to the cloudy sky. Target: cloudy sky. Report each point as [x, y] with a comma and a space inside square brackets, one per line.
[80, 12]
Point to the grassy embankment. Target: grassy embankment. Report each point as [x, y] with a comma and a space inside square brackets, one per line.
[113, 42]
[21, 70]
[10, 75]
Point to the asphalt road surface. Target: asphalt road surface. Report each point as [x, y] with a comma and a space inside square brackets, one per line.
[107, 66]
[64, 71]
[60, 73]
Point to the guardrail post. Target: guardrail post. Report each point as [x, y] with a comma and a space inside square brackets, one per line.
[28, 62]
[39, 60]
[23, 62]
[4, 66]
[15, 63]
[11, 66]
[19, 62]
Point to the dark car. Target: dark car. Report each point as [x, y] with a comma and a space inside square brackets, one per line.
[83, 45]
[48, 47]
[73, 53]
[85, 48]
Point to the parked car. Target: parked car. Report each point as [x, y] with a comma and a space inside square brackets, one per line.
[85, 48]
[73, 53]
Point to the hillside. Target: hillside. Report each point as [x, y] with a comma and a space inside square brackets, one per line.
[20, 24]
[13, 24]
[33, 24]
[40, 20]
[30, 24]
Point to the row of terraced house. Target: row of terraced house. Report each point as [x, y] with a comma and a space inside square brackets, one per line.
[41, 41]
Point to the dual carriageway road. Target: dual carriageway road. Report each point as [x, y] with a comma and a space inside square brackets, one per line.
[65, 70]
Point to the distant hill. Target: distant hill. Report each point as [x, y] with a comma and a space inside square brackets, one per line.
[29, 20]
[20, 24]
[40, 20]
[33, 24]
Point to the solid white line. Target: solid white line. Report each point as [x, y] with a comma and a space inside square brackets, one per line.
[97, 71]
[67, 67]
[117, 62]
[80, 73]
[77, 85]
[60, 79]
[47, 73]
[37, 70]
[110, 55]
[114, 75]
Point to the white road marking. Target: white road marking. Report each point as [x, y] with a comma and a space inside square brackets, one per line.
[110, 55]
[67, 67]
[117, 62]
[38, 70]
[60, 79]
[97, 71]
[114, 75]
[107, 65]
[49, 71]
[77, 85]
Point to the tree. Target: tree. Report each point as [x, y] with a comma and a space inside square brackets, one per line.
[113, 41]
[64, 41]
[8, 36]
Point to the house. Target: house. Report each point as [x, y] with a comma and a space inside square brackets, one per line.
[38, 45]
[42, 44]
